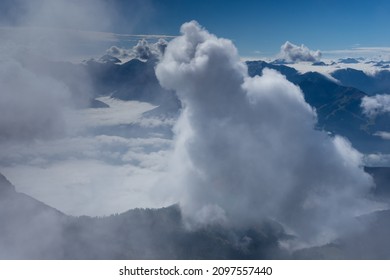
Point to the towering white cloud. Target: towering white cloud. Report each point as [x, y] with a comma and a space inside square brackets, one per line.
[376, 105]
[291, 53]
[246, 148]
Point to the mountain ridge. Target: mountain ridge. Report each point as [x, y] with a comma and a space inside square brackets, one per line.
[338, 107]
[32, 230]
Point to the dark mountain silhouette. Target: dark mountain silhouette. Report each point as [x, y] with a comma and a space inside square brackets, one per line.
[133, 80]
[371, 241]
[109, 59]
[256, 67]
[348, 60]
[319, 63]
[28, 228]
[371, 84]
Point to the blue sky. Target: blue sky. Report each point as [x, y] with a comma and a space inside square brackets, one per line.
[263, 26]
[257, 27]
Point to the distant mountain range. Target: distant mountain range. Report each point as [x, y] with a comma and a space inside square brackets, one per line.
[133, 80]
[337, 106]
[370, 84]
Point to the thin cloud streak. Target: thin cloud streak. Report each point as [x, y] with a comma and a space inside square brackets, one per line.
[366, 52]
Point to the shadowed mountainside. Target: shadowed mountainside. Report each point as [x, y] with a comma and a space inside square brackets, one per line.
[32, 230]
[338, 107]
[371, 84]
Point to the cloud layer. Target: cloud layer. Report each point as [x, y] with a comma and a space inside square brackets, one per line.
[290, 53]
[246, 148]
[111, 160]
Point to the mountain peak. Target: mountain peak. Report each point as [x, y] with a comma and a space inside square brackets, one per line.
[5, 185]
[109, 59]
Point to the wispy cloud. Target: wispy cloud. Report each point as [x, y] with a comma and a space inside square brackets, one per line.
[377, 159]
[67, 43]
[366, 52]
[383, 134]
[143, 36]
